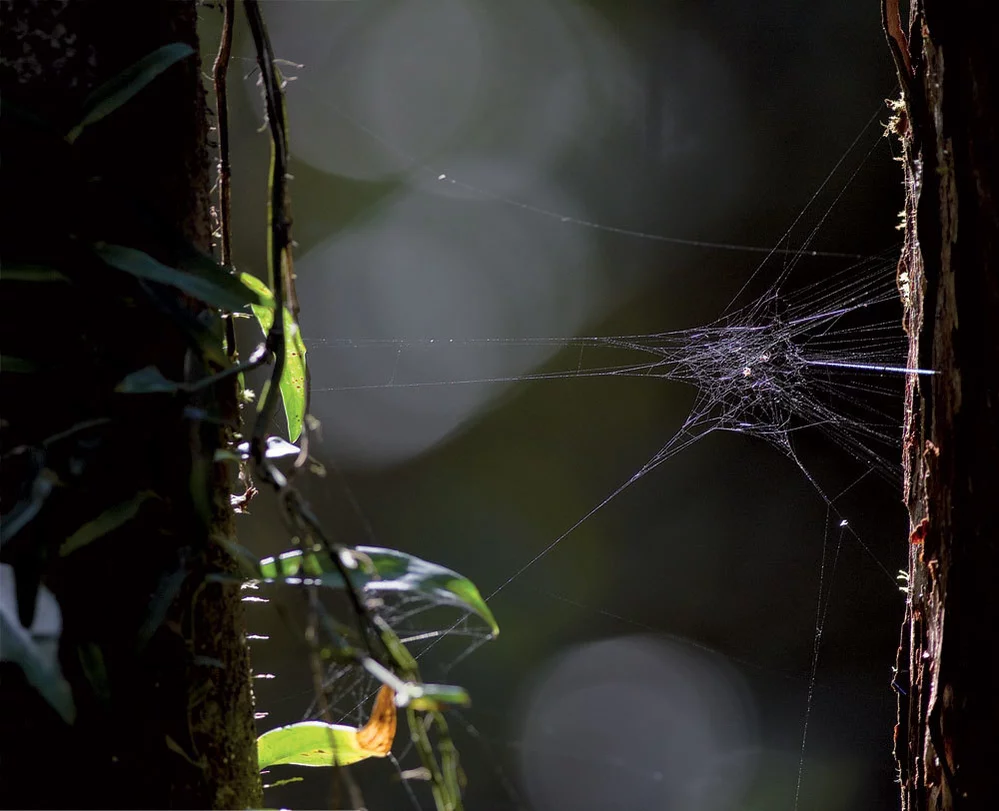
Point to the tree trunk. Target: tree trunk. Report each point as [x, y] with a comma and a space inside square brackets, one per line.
[152, 645]
[947, 738]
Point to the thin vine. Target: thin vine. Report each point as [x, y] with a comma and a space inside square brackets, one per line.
[382, 653]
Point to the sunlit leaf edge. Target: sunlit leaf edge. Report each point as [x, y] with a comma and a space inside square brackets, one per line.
[393, 571]
[447, 584]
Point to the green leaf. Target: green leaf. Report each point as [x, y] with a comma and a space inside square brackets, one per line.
[310, 743]
[293, 379]
[24, 512]
[432, 697]
[266, 298]
[166, 592]
[147, 380]
[118, 90]
[31, 273]
[35, 651]
[104, 523]
[204, 330]
[291, 567]
[216, 287]
[246, 561]
[292, 383]
[177, 749]
[94, 668]
[13, 365]
[150, 380]
[402, 572]
[392, 571]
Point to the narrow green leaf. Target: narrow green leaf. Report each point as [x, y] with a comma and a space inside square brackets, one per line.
[35, 651]
[310, 743]
[177, 749]
[218, 289]
[120, 89]
[392, 571]
[45, 676]
[109, 520]
[293, 379]
[94, 668]
[204, 330]
[166, 592]
[246, 561]
[147, 380]
[24, 512]
[265, 294]
[433, 697]
[10, 364]
[31, 273]
[292, 567]
[292, 383]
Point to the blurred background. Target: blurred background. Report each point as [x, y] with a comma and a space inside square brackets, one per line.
[486, 168]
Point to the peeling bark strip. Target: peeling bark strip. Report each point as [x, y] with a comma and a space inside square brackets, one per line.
[154, 651]
[947, 737]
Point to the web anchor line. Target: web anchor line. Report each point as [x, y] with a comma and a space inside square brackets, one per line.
[649, 236]
[422, 169]
[870, 367]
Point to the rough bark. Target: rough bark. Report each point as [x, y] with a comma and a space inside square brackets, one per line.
[947, 738]
[152, 646]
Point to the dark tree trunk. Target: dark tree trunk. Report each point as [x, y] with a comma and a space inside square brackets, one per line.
[947, 738]
[152, 645]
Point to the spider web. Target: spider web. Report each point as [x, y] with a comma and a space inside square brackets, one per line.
[820, 357]
[826, 357]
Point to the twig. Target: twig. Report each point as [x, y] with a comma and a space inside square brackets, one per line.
[302, 515]
[219, 73]
[278, 233]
